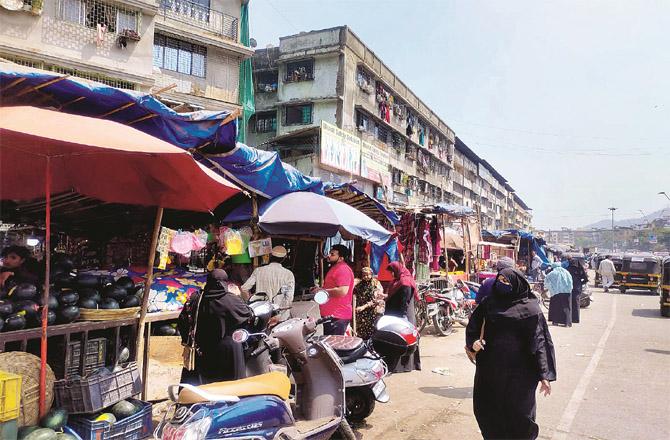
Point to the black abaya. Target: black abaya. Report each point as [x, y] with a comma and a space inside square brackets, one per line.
[560, 309]
[519, 353]
[401, 304]
[579, 277]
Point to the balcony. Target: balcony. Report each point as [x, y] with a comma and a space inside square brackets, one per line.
[203, 17]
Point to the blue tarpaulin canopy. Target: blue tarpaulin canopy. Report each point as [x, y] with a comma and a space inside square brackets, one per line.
[305, 213]
[211, 133]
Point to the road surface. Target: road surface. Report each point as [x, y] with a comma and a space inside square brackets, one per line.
[613, 381]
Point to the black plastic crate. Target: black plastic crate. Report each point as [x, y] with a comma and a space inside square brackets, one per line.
[96, 354]
[136, 427]
[95, 392]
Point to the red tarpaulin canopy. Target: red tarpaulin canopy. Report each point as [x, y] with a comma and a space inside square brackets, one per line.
[101, 159]
[44, 152]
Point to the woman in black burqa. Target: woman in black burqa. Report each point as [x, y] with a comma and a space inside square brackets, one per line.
[579, 278]
[514, 354]
[219, 313]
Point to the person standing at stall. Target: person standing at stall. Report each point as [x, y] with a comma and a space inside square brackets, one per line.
[559, 283]
[579, 278]
[14, 268]
[277, 282]
[369, 297]
[400, 302]
[211, 317]
[510, 340]
[339, 284]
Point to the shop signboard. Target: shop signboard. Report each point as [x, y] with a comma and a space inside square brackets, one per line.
[340, 150]
[375, 164]
[260, 247]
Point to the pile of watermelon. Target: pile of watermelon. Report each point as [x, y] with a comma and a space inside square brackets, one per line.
[50, 428]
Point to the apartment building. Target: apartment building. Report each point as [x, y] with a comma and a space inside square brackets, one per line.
[333, 109]
[189, 51]
[479, 185]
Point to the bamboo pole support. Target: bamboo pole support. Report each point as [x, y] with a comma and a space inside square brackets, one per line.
[45, 294]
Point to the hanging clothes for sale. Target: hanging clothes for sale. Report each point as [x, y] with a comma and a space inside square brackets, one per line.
[382, 256]
[407, 237]
[436, 237]
[425, 243]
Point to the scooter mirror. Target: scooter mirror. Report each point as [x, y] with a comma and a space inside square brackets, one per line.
[321, 297]
[240, 335]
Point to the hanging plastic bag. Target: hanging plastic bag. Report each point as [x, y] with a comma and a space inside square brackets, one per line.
[182, 243]
[233, 242]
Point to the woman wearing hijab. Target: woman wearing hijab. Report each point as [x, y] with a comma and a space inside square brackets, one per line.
[486, 287]
[579, 278]
[213, 316]
[559, 283]
[369, 294]
[514, 352]
[400, 302]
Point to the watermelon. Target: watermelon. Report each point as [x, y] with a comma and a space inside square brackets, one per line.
[51, 317]
[124, 409]
[115, 292]
[125, 282]
[55, 419]
[105, 417]
[15, 322]
[24, 291]
[166, 330]
[68, 314]
[23, 432]
[53, 302]
[6, 308]
[68, 298]
[109, 303]
[130, 301]
[64, 436]
[41, 434]
[88, 303]
[87, 280]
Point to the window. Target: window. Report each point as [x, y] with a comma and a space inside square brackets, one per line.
[363, 122]
[92, 13]
[299, 71]
[265, 123]
[382, 133]
[266, 82]
[180, 56]
[298, 114]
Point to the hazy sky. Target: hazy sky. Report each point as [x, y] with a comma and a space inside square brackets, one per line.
[569, 100]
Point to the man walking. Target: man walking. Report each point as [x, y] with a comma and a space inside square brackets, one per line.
[275, 281]
[339, 284]
[607, 270]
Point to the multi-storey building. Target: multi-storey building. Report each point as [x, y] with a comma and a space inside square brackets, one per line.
[478, 185]
[187, 50]
[335, 110]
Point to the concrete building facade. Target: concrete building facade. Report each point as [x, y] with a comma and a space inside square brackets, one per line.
[189, 50]
[331, 75]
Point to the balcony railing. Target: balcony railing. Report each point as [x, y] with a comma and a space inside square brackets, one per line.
[201, 16]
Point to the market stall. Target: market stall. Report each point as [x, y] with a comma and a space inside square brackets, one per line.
[70, 154]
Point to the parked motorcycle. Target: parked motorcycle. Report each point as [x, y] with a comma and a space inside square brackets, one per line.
[440, 309]
[585, 298]
[258, 407]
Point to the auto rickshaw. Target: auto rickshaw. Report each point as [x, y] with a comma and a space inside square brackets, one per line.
[597, 282]
[617, 259]
[665, 288]
[641, 272]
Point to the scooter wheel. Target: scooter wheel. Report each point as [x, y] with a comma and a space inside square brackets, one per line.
[360, 403]
[443, 323]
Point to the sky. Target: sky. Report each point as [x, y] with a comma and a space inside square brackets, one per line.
[568, 100]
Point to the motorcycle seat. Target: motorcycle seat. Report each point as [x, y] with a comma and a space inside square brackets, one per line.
[348, 348]
[275, 383]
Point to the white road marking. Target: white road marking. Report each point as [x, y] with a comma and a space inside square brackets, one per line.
[564, 426]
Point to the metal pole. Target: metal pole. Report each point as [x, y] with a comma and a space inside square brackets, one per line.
[612, 209]
[45, 296]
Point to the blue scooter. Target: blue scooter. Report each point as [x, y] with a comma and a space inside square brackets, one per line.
[258, 407]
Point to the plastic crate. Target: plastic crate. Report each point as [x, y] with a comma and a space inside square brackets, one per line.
[96, 354]
[10, 396]
[9, 430]
[136, 427]
[93, 393]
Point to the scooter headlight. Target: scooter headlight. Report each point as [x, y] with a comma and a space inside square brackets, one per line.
[191, 430]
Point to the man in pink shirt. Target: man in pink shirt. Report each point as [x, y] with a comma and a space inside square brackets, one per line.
[339, 284]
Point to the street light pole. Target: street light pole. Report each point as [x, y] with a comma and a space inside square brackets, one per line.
[665, 194]
[612, 209]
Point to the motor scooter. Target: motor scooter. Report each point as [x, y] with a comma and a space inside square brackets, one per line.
[585, 298]
[364, 371]
[441, 310]
[258, 407]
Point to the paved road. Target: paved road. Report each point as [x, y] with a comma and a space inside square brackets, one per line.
[613, 381]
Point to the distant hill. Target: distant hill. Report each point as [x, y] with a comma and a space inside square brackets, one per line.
[629, 221]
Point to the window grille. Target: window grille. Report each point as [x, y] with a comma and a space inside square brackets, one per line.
[299, 71]
[267, 82]
[298, 114]
[180, 56]
[92, 76]
[382, 133]
[363, 122]
[94, 13]
[265, 123]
